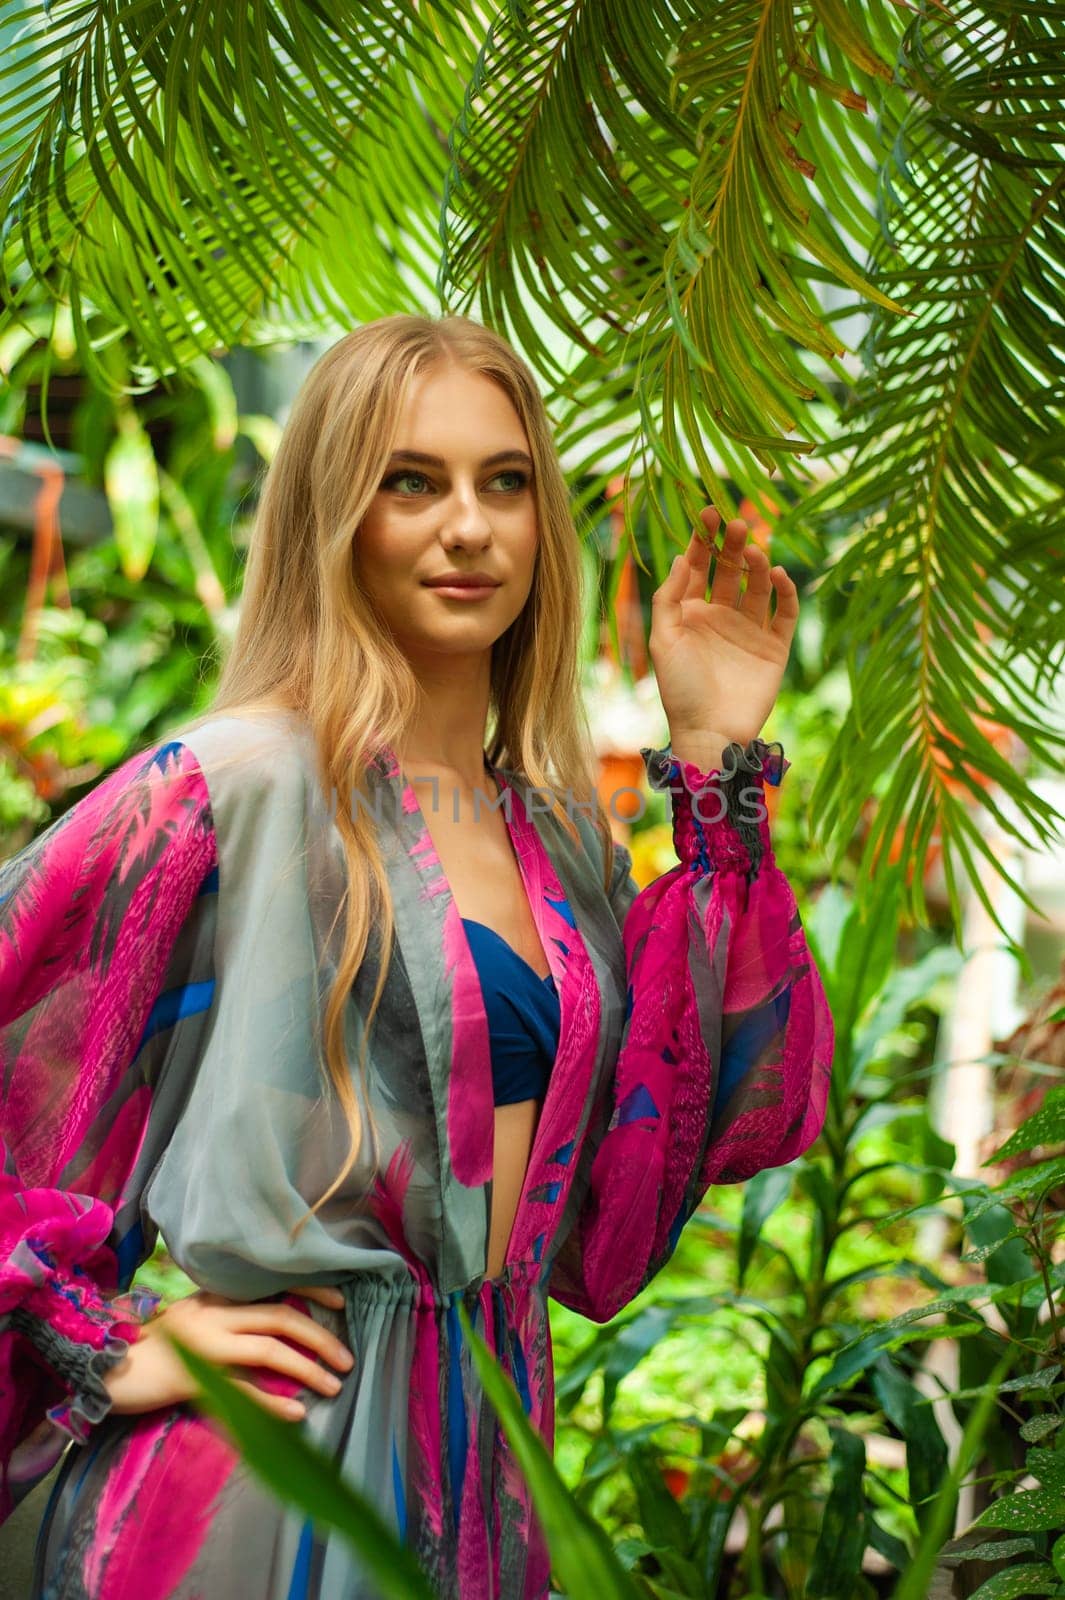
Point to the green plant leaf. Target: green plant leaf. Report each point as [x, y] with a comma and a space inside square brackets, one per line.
[580, 1551]
[132, 484]
[635, 1340]
[914, 1583]
[1031, 1510]
[662, 1519]
[1031, 1578]
[835, 1568]
[1040, 1427]
[1045, 1126]
[927, 1457]
[762, 1194]
[1057, 1556]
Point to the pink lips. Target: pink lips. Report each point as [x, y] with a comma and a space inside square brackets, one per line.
[464, 591]
[464, 585]
[463, 580]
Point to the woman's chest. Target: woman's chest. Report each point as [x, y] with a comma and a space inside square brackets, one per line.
[476, 855]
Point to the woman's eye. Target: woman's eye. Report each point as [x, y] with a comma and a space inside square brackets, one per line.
[398, 480]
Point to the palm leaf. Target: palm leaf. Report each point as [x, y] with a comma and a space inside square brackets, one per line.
[631, 171]
[188, 157]
[653, 198]
[953, 453]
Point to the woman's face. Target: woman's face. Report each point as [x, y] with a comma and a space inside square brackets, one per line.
[457, 498]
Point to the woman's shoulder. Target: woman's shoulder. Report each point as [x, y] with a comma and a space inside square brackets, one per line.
[219, 768]
[265, 744]
[251, 760]
[171, 808]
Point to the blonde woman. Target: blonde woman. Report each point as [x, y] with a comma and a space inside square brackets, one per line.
[345, 991]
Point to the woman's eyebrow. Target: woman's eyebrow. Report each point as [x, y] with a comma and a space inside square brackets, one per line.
[438, 461]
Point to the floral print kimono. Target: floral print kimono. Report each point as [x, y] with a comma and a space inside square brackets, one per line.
[165, 950]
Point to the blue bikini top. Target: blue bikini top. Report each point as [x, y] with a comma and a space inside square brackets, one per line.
[523, 1016]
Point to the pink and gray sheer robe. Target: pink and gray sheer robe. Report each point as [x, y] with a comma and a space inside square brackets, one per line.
[165, 951]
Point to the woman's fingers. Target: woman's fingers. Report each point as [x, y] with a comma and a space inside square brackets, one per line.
[730, 550]
[733, 556]
[260, 1350]
[755, 602]
[787, 612]
[282, 1405]
[259, 1319]
[325, 1294]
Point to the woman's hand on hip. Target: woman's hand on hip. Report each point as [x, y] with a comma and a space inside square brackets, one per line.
[230, 1333]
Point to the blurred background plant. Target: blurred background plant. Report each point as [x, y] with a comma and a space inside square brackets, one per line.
[113, 617]
[774, 1414]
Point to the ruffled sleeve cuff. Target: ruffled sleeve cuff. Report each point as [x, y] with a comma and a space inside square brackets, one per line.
[719, 817]
[115, 1324]
[90, 1402]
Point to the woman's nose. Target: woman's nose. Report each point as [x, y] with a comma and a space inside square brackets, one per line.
[465, 517]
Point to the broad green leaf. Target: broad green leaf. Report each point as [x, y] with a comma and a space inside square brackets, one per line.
[661, 1517]
[926, 1451]
[1039, 1427]
[131, 481]
[1045, 1126]
[762, 1194]
[636, 1339]
[998, 1549]
[837, 1559]
[1029, 1509]
[1048, 1466]
[1031, 1578]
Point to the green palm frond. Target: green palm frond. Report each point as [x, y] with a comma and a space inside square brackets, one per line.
[636, 171]
[656, 200]
[568, 167]
[954, 455]
[168, 166]
[202, 175]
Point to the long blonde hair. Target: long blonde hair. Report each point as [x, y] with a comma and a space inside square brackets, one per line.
[307, 634]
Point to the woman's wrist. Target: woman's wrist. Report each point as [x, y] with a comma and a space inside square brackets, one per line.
[703, 750]
[114, 1379]
[720, 819]
[124, 1380]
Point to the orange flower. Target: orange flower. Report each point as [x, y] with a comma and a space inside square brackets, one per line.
[620, 785]
[676, 1481]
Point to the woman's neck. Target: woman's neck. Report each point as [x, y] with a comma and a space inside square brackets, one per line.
[447, 733]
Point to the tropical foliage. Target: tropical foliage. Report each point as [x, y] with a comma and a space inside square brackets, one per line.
[109, 630]
[691, 194]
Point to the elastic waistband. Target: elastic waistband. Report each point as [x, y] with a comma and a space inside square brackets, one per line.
[513, 1285]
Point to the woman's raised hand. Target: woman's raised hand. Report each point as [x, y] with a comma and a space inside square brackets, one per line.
[234, 1333]
[719, 660]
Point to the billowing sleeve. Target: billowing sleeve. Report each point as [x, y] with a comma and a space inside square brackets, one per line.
[102, 934]
[725, 1057]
